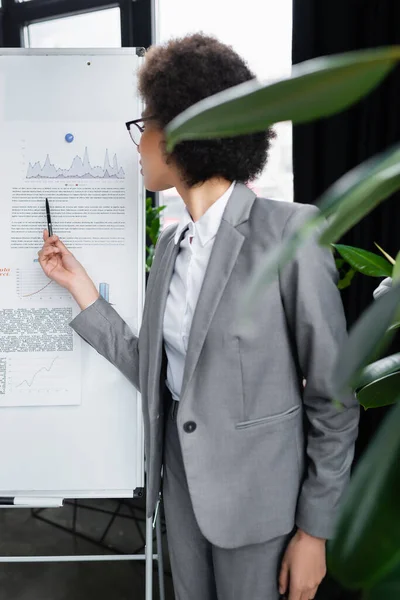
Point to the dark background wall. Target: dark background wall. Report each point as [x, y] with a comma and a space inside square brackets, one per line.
[325, 150]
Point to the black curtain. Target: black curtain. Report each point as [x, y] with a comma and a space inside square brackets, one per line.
[326, 149]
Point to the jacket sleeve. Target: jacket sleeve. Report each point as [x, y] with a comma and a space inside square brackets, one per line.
[315, 315]
[103, 328]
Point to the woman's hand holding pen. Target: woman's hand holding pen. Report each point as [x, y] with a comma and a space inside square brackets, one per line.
[60, 265]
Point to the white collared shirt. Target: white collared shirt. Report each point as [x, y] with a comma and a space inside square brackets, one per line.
[187, 279]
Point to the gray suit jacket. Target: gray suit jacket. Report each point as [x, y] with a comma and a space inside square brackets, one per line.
[266, 453]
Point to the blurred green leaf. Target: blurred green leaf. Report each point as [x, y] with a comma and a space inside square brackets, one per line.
[366, 335]
[149, 257]
[275, 259]
[346, 274]
[346, 280]
[358, 192]
[341, 206]
[365, 262]
[366, 543]
[154, 230]
[378, 369]
[153, 226]
[396, 269]
[316, 88]
[339, 262]
[387, 589]
[382, 392]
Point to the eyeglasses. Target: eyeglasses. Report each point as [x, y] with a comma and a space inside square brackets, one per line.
[135, 130]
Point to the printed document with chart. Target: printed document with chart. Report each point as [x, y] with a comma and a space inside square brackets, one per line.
[55, 144]
[39, 355]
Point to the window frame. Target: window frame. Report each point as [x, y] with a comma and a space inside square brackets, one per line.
[137, 29]
[138, 20]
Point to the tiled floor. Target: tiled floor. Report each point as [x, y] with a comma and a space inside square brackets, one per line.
[21, 534]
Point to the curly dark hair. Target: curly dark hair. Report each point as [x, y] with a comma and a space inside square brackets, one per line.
[182, 72]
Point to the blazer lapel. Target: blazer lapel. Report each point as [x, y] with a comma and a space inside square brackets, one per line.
[156, 314]
[227, 245]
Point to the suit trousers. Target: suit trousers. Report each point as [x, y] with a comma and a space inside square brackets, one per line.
[200, 570]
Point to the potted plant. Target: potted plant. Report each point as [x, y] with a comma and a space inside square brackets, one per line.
[153, 229]
[365, 552]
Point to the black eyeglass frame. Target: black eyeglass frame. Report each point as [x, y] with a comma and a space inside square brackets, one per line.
[136, 123]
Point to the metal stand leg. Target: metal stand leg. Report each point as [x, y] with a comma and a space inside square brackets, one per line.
[161, 587]
[149, 556]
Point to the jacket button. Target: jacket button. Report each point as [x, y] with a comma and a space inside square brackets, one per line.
[190, 426]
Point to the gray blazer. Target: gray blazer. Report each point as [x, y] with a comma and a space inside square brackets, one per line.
[261, 452]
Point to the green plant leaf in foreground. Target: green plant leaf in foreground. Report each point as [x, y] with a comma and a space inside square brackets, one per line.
[275, 259]
[365, 262]
[364, 338]
[387, 589]
[380, 368]
[339, 262]
[358, 192]
[316, 88]
[347, 279]
[382, 392]
[366, 543]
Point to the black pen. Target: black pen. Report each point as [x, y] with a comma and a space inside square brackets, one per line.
[49, 225]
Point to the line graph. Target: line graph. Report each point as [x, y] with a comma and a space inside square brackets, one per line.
[32, 283]
[48, 379]
[37, 373]
[80, 168]
[30, 375]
